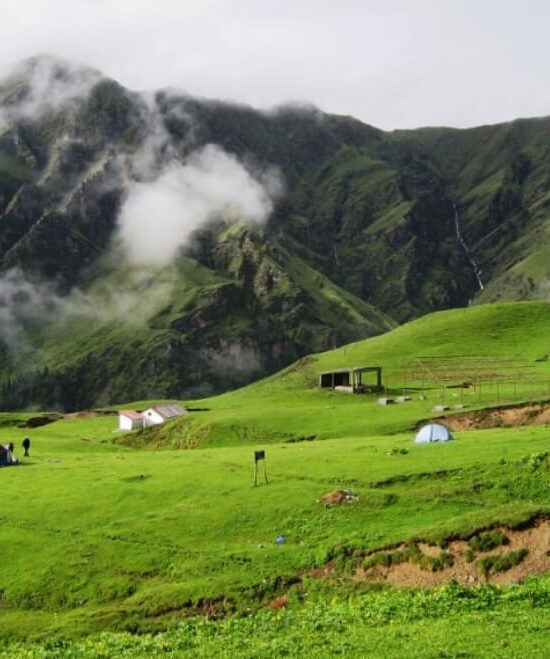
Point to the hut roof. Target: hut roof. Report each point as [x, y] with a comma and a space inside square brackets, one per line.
[131, 414]
[355, 369]
[169, 411]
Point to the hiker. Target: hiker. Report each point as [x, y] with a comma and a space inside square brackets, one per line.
[26, 443]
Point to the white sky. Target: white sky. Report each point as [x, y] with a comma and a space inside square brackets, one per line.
[390, 63]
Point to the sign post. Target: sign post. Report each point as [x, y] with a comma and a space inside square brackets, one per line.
[259, 456]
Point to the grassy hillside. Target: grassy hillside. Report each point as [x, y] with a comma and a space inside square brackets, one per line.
[288, 405]
[102, 537]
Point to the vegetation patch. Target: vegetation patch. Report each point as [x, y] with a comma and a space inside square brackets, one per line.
[501, 562]
[469, 556]
[412, 554]
[487, 540]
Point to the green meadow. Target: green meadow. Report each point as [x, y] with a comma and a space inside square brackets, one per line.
[126, 544]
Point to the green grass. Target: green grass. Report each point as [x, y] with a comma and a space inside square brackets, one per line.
[289, 406]
[102, 537]
[449, 622]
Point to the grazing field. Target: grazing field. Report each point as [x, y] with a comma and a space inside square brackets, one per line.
[110, 548]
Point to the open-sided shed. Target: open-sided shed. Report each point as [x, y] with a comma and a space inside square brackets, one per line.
[350, 380]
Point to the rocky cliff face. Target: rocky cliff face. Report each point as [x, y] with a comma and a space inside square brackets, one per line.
[363, 235]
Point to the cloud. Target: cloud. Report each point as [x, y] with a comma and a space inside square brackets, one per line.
[168, 195]
[22, 301]
[44, 84]
[158, 217]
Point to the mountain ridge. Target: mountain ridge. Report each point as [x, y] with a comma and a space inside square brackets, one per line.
[364, 235]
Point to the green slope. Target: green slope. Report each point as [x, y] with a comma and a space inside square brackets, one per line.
[288, 405]
[101, 537]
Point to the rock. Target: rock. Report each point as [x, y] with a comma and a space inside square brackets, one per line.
[386, 401]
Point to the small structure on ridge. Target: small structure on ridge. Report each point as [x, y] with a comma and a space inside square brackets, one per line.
[350, 380]
[129, 420]
[161, 413]
[153, 416]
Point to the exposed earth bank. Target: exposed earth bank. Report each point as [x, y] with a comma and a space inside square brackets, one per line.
[534, 414]
[530, 547]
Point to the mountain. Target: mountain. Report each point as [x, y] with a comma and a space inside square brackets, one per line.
[358, 230]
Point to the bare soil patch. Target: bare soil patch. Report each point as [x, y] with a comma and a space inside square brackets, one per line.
[337, 497]
[466, 565]
[535, 414]
[41, 420]
[278, 603]
[89, 414]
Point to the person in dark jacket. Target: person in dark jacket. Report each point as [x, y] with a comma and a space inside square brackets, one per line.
[26, 445]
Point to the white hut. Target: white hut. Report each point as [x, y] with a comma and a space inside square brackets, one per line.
[433, 432]
[129, 420]
[161, 413]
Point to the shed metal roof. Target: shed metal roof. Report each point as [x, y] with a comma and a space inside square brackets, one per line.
[170, 411]
[131, 414]
[351, 369]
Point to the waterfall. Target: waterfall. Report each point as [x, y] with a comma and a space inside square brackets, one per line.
[475, 267]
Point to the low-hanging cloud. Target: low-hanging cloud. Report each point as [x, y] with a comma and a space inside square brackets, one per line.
[158, 217]
[167, 197]
[50, 84]
[21, 302]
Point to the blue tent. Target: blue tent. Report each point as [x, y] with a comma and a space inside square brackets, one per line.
[433, 432]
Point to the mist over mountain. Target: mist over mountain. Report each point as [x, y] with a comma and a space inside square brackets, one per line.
[155, 244]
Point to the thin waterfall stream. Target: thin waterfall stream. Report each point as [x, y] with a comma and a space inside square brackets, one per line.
[475, 267]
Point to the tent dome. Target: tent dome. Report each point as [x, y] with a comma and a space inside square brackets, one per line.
[432, 432]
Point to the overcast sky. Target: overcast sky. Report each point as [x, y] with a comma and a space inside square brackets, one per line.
[391, 63]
